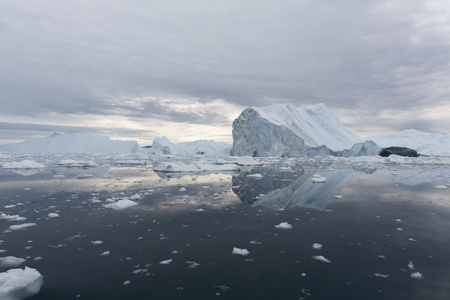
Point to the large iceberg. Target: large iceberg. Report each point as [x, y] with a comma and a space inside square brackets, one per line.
[423, 142]
[162, 145]
[72, 142]
[283, 130]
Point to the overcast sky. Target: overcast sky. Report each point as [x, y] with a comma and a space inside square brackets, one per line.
[186, 69]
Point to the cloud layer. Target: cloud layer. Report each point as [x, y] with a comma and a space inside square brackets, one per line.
[165, 67]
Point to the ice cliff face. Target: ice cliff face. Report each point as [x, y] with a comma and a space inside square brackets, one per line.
[283, 130]
[72, 142]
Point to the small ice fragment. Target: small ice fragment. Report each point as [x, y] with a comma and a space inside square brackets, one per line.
[337, 197]
[106, 253]
[317, 246]
[192, 264]
[165, 262]
[240, 251]
[441, 187]
[411, 265]
[318, 179]
[416, 275]
[256, 176]
[22, 226]
[321, 258]
[398, 220]
[53, 215]
[98, 242]
[284, 225]
[27, 189]
[84, 176]
[412, 240]
[303, 275]
[381, 275]
[200, 209]
[382, 256]
[10, 261]
[126, 282]
[121, 204]
[136, 197]
[183, 189]
[399, 229]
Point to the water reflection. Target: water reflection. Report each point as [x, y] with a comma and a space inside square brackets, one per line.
[281, 188]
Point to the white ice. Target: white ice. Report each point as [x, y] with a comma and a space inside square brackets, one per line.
[22, 226]
[416, 275]
[284, 225]
[11, 261]
[165, 262]
[240, 251]
[317, 246]
[321, 258]
[18, 284]
[121, 204]
[24, 164]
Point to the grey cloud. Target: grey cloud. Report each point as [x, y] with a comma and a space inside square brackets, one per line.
[90, 57]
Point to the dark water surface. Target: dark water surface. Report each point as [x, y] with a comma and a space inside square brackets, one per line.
[374, 228]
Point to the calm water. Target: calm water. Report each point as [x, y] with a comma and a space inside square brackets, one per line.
[370, 221]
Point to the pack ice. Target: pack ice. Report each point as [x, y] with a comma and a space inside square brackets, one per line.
[72, 142]
[283, 130]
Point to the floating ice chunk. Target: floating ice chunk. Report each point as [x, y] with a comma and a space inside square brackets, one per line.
[303, 275]
[126, 282]
[416, 275]
[248, 161]
[121, 204]
[337, 197]
[76, 163]
[12, 217]
[321, 258]
[240, 251]
[192, 264]
[11, 261]
[256, 176]
[200, 209]
[106, 253]
[22, 226]
[411, 265]
[381, 275]
[284, 225]
[412, 240]
[84, 176]
[10, 206]
[53, 215]
[165, 262]
[441, 187]
[136, 197]
[98, 242]
[318, 179]
[24, 164]
[317, 246]
[183, 189]
[16, 284]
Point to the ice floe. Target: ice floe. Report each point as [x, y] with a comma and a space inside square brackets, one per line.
[321, 258]
[240, 251]
[11, 261]
[416, 275]
[317, 246]
[121, 204]
[284, 225]
[165, 262]
[18, 284]
[24, 164]
[22, 226]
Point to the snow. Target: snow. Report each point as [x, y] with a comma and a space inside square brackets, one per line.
[121, 204]
[24, 164]
[321, 258]
[17, 284]
[423, 142]
[240, 251]
[284, 225]
[22, 226]
[72, 142]
[11, 261]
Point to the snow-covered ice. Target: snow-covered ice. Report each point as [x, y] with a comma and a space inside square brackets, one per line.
[18, 284]
[22, 226]
[321, 258]
[240, 251]
[284, 225]
[11, 261]
[121, 204]
[24, 164]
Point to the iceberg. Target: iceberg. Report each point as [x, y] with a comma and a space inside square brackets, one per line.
[283, 130]
[72, 142]
[162, 145]
[425, 143]
[18, 284]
